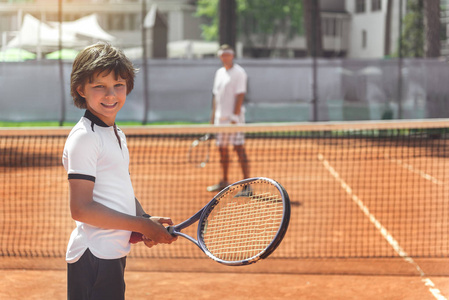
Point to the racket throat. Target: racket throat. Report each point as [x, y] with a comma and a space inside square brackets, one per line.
[174, 232]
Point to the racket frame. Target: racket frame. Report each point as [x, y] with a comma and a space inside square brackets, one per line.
[205, 211]
[206, 138]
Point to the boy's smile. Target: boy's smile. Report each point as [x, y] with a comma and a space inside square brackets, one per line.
[105, 96]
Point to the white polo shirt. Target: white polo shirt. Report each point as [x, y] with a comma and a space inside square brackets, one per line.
[227, 85]
[93, 152]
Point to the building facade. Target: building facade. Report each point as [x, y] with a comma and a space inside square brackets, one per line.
[120, 18]
[374, 29]
[350, 28]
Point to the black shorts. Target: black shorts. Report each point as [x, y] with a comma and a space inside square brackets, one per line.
[92, 278]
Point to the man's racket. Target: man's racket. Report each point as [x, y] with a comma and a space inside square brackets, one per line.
[243, 223]
[199, 151]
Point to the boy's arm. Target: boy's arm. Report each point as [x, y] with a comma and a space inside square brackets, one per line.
[83, 208]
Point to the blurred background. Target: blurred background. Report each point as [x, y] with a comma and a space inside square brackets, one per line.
[326, 60]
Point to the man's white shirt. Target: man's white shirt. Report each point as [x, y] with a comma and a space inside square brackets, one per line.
[227, 85]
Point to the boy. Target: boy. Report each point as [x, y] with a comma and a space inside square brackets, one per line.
[101, 196]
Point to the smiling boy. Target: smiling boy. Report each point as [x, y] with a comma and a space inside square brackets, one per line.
[102, 200]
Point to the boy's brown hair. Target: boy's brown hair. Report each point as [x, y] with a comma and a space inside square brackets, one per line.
[96, 59]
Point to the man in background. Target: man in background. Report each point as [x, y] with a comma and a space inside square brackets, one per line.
[229, 91]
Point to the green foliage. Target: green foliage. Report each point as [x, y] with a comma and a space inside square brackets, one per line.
[20, 1]
[257, 19]
[208, 11]
[71, 124]
[34, 124]
[413, 38]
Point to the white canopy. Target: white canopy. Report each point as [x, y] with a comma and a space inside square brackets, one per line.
[86, 27]
[37, 36]
[34, 34]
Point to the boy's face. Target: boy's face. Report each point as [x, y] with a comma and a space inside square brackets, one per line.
[105, 96]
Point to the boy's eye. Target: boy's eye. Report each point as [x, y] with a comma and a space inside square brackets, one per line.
[98, 86]
[119, 85]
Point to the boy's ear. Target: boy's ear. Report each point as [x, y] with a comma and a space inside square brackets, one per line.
[79, 89]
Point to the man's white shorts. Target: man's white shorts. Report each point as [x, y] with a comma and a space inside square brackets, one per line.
[235, 138]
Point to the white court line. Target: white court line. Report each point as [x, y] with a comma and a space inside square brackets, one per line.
[413, 170]
[383, 231]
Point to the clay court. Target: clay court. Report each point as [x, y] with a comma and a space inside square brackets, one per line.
[370, 218]
[50, 284]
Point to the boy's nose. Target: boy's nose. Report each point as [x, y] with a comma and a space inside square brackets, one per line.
[110, 92]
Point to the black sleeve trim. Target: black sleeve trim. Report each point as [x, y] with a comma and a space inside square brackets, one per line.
[82, 176]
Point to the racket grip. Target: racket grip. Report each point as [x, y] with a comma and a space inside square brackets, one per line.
[135, 237]
[171, 230]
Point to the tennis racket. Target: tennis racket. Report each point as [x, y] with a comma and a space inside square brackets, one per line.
[199, 151]
[243, 223]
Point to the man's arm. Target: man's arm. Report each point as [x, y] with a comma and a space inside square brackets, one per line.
[238, 107]
[212, 115]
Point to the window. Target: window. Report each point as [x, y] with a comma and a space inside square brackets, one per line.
[376, 5]
[364, 39]
[329, 26]
[359, 6]
[116, 21]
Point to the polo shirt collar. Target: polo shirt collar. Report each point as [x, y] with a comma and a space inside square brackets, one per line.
[94, 119]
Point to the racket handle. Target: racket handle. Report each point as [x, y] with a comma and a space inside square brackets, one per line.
[171, 230]
[135, 237]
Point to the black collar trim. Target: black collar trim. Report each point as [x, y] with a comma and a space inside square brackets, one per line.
[94, 119]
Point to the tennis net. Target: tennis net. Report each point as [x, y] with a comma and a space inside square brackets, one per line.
[358, 189]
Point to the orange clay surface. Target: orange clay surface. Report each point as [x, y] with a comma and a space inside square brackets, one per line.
[323, 256]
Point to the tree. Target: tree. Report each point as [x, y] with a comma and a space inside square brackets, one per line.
[412, 36]
[432, 25]
[421, 34]
[312, 18]
[387, 47]
[227, 22]
[259, 24]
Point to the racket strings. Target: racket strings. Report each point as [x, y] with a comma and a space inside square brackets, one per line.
[236, 243]
[241, 228]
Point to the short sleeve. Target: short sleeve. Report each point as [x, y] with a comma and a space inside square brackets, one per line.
[214, 87]
[241, 83]
[81, 153]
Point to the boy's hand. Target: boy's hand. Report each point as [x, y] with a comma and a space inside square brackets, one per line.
[156, 232]
[138, 237]
[135, 237]
[148, 242]
[166, 238]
